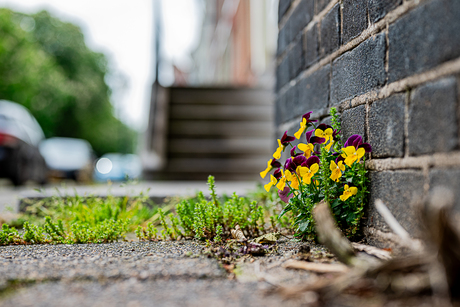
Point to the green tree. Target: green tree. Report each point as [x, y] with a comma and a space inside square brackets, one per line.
[46, 66]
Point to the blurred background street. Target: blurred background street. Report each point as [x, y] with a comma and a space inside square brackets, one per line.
[152, 91]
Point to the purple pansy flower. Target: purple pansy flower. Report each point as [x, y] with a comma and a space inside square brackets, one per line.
[286, 139]
[312, 160]
[277, 174]
[314, 139]
[293, 153]
[307, 117]
[284, 194]
[275, 163]
[357, 141]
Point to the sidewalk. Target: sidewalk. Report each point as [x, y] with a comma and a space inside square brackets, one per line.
[137, 274]
[157, 190]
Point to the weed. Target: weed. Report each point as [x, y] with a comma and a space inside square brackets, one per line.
[211, 219]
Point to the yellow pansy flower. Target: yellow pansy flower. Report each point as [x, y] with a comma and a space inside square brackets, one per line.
[265, 172]
[303, 126]
[348, 192]
[327, 133]
[282, 183]
[328, 146]
[306, 173]
[351, 154]
[279, 150]
[306, 148]
[336, 170]
[293, 179]
[271, 183]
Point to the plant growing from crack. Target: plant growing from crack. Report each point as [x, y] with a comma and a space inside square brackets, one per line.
[321, 168]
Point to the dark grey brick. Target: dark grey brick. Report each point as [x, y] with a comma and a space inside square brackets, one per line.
[386, 127]
[399, 191]
[432, 117]
[283, 40]
[321, 5]
[289, 102]
[282, 73]
[379, 8]
[424, 38]
[313, 91]
[301, 16]
[279, 110]
[353, 122]
[359, 70]
[296, 59]
[449, 178]
[311, 46]
[283, 7]
[330, 31]
[354, 14]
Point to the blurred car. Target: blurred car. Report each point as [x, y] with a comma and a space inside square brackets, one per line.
[68, 158]
[20, 135]
[117, 167]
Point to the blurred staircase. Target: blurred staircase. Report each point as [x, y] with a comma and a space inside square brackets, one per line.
[195, 132]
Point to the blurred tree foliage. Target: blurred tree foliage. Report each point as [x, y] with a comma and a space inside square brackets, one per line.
[46, 66]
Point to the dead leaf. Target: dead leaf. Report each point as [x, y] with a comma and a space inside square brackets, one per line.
[238, 234]
[269, 238]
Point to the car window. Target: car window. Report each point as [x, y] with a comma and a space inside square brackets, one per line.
[23, 119]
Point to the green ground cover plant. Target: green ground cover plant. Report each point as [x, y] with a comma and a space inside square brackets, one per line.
[214, 218]
[78, 219]
[323, 168]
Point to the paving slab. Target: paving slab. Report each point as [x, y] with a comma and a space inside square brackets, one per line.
[137, 274]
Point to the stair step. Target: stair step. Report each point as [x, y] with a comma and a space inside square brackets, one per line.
[225, 146]
[221, 112]
[220, 128]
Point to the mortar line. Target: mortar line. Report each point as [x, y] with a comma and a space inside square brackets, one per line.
[387, 53]
[406, 123]
[367, 128]
[424, 162]
[458, 112]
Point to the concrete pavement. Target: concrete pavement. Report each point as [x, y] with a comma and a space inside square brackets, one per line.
[10, 196]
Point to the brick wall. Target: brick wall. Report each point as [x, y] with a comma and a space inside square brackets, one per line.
[392, 68]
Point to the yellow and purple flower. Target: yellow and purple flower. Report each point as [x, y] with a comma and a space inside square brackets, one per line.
[272, 182]
[357, 141]
[352, 154]
[306, 148]
[286, 139]
[304, 124]
[336, 170]
[285, 194]
[348, 192]
[314, 139]
[271, 164]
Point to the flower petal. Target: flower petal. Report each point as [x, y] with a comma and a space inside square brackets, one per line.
[309, 134]
[285, 194]
[312, 160]
[367, 147]
[286, 139]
